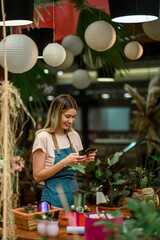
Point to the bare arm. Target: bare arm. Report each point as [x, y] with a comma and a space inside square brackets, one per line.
[40, 173]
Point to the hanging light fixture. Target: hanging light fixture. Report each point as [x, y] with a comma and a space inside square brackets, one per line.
[100, 36]
[68, 60]
[81, 79]
[73, 43]
[54, 54]
[133, 50]
[21, 52]
[134, 11]
[17, 12]
[151, 29]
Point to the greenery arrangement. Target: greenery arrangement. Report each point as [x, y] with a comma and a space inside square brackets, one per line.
[110, 176]
[146, 118]
[111, 59]
[144, 223]
[30, 84]
[143, 178]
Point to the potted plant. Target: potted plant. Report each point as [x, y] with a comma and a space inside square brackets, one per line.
[143, 178]
[144, 223]
[110, 176]
[146, 182]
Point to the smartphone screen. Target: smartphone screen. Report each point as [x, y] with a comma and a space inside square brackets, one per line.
[89, 150]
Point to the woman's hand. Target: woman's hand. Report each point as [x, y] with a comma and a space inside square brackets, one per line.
[90, 157]
[73, 159]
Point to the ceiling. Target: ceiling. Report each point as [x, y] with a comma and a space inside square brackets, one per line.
[150, 59]
[148, 65]
[141, 71]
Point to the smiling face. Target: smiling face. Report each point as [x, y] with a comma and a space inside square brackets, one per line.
[67, 118]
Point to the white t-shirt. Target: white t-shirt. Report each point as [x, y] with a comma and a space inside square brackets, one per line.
[45, 142]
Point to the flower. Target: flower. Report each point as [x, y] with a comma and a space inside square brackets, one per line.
[46, 216]
[18, 164]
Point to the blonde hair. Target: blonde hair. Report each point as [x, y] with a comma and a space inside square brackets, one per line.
[58, 105]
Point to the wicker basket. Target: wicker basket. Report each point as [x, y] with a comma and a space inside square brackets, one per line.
[26, 221]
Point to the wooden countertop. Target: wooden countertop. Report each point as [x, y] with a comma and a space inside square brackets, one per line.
[63, 235]
[33, 235]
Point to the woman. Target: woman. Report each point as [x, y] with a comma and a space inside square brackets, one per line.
[56, 146]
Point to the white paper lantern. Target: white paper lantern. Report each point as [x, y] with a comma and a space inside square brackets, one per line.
[73, 43]
[100, 36]
[152, 29]
[133, 50]
[81, 79]
[54, 54]
[68, 60]
[21, 52]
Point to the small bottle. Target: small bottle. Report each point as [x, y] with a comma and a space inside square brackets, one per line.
[56, 214]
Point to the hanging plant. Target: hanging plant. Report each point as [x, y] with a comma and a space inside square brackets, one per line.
[29, 84]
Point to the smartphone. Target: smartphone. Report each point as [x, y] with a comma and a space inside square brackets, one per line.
[88, 151]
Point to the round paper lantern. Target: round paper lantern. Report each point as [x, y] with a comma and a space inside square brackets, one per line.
[81, 79]
[54, 54]
[73, 43]
[151, 29]
[21, 52]
[133, 50]
[100, 36]
[68, 60]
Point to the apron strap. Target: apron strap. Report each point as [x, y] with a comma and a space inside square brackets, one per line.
[56, 144]
[70, 143]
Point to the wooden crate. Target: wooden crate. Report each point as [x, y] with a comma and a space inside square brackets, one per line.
[26, 221]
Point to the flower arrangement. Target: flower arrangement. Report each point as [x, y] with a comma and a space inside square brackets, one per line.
[18, 164]
[47, 216]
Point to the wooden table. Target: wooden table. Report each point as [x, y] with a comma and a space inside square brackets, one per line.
[33, 235]
[63, 235]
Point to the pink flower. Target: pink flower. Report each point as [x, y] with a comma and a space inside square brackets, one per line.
[17, 164]
[19, 169]
[21, 164]
[14, 159]
[18, 158]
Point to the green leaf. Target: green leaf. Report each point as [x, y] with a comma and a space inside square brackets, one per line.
[100, 174]
[114, 160]
[99, 222]
[38, 216]
[79, 168]
[38, 13]
[131, 204]
[91, 165]
[80, 4]
[155, 158]
[119, 182]
[28, 83]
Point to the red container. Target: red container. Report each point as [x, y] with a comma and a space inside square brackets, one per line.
[96, 232]
[81, 218]
[73, 219]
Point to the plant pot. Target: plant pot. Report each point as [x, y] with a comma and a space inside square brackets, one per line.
[138, 190]
[42, 227]
[52, 228]
[79, 201]
[126, 213]
[96, 232]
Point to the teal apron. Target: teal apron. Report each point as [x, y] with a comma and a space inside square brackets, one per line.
[65, 177]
